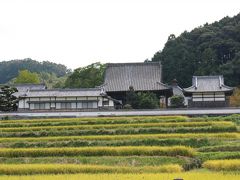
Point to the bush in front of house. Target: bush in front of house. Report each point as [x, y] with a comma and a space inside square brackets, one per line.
[142, 100]
[177, 101]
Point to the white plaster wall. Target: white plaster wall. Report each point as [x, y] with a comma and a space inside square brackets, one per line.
[31, 106]
[92, 98]
[21, 104]
[44, 99]
[111, 103]
[60, 98]
[71, 98]
[100, 102]
[81, 98]
[34, 99]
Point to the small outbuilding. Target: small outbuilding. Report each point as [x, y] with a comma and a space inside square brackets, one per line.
[208, 91]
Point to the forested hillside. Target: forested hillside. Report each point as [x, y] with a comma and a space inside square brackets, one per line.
[10, 69]
[207, 50]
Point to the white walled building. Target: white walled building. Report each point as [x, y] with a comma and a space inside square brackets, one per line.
[64, 100]
[208, 91]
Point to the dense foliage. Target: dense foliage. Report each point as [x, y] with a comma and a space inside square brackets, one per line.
[8, 102]
[207, 50]
[177, 101]
[235, 98]
[86, 77]
[142, 100]
[51, 80]
[25, 76]
[11, 68]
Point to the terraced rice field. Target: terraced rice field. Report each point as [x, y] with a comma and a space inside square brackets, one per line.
[154, 147]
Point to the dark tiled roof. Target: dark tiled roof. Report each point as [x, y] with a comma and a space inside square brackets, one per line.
[140, 76]
[208, 84]
[26, 87]
[64, 93]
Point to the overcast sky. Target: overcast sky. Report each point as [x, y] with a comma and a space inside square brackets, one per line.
[79, 32]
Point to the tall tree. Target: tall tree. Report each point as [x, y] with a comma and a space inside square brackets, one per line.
[207, 50]
[11, 68]
[26, 76]
[8, 102]
[86, 77]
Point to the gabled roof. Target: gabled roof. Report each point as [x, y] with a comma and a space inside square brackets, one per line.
[64, 93]
[139, 76]
[23, 88]
[27, 87]
[177, 90]
[208, 84]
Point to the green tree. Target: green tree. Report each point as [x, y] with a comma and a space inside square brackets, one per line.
[86, 77]
[8, 102]
[177, 101]
[11, 68]
[207, 50]
[51, 80]
[142, 100]
[132, 98]
[26, 76]
[148, 100]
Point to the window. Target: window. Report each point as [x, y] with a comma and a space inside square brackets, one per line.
[87, 105]
[66, 105]
[84, 105]
[36, 106]
[39, 106]
[42, 106]
[79, 105]
[90, 104]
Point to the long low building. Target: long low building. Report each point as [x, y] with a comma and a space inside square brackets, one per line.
[64, 99]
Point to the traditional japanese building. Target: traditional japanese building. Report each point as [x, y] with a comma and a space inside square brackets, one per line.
[141, 77]
[208, 91]
[64, 100]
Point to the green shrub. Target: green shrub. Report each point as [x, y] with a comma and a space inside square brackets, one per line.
[177, 101]
[192, 163]
[142, 100]
[127, 106]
